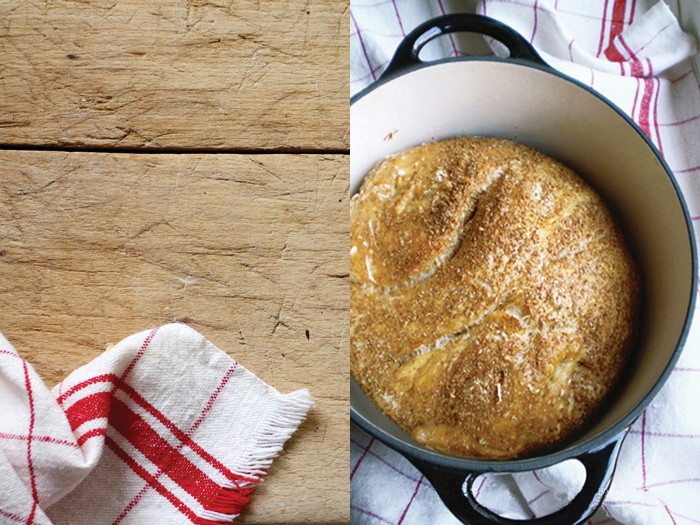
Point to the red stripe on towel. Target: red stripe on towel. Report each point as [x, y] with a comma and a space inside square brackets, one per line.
[30, 461]
[177, 467]
[90, 434]
[135, 500]
[88, 408]
[144, 346]
[157, 485]
[179, 434]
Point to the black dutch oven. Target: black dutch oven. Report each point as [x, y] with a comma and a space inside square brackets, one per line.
[522, 98]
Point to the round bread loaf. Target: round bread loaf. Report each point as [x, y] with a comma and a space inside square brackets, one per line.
[493, 298]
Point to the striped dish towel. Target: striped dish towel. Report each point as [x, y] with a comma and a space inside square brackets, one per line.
[161, 428]
[636, 54]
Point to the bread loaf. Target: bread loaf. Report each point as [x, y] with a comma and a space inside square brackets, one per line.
[493, 298]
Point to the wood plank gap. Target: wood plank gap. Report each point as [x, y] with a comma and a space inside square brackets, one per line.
[175, 151]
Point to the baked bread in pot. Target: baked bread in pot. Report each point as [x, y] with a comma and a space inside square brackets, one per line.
[415, 102]
[493, 297]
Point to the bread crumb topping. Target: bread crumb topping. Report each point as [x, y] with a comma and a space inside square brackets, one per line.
[493, 297]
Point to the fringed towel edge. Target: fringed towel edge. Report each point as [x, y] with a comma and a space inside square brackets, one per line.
[289, 412]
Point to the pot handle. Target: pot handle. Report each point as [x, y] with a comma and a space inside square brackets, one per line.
[455, 490]
[406, 54]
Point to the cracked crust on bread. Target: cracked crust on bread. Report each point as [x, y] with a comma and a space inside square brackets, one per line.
[493, 298]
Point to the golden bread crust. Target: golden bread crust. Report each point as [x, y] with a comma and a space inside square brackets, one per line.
[493, 299]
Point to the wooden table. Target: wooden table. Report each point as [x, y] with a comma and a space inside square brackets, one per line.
[185, 160]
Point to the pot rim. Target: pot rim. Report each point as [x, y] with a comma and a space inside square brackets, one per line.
[613, 432]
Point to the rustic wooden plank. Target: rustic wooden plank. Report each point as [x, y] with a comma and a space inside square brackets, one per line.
[248, 249]
[175, 74]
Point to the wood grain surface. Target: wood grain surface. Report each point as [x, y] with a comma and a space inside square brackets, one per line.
[142, 183]
[250, 250]
[175, 74]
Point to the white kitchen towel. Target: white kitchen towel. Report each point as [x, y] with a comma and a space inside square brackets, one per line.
[635, 53]
[161, 428]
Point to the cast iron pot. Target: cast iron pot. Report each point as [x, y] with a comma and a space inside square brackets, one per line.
[521, 98]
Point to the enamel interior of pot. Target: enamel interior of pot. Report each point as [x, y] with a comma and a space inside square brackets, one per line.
[575, 127]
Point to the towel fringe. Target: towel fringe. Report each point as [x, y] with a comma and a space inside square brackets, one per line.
[229, 500]
[200, 520]
[234, 495]
[291, 410]
[288, 415]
